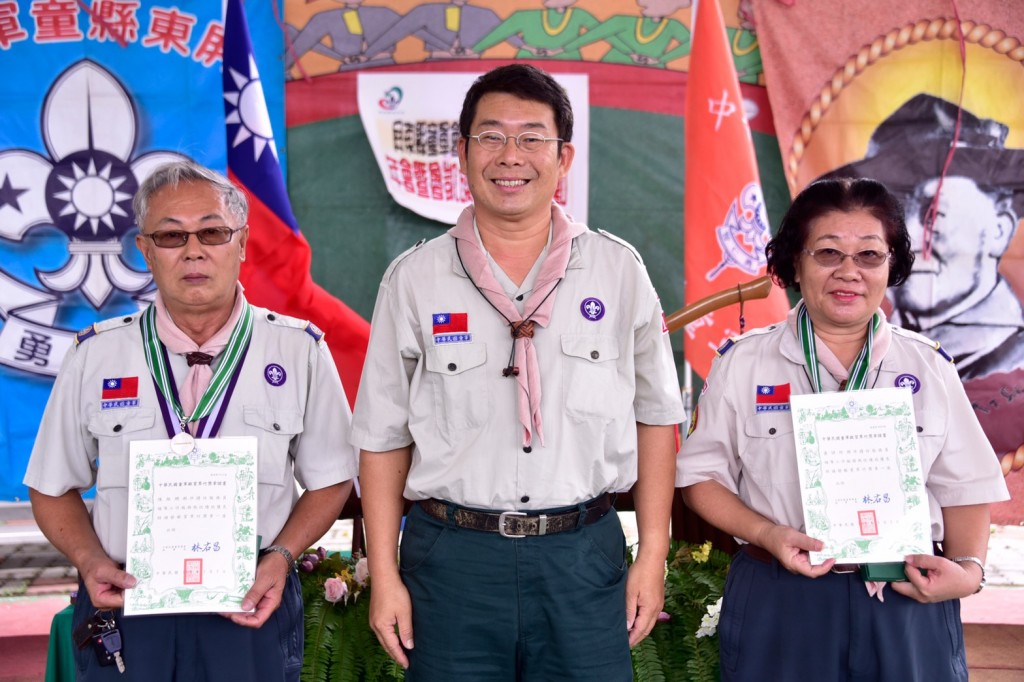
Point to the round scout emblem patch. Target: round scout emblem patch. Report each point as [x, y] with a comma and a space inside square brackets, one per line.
[274, 374]
[592, 309]
[908, 381]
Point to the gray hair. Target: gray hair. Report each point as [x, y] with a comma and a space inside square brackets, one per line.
[176, 172]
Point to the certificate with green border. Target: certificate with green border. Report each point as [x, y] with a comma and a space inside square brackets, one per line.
[861, 481]
[191, 526]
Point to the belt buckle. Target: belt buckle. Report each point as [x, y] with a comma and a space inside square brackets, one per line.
[845, 568]
[502, 518]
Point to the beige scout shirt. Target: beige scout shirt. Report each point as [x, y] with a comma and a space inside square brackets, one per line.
[753, 454]
[302, 425]
[445, 394]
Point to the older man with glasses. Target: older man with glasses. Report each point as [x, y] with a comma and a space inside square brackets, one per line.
[200, 362]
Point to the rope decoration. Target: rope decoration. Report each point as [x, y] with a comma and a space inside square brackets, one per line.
[921, 31]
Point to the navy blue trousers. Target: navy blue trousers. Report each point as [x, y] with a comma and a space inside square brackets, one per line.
[201, 647]
[488, 608]
[775, 625]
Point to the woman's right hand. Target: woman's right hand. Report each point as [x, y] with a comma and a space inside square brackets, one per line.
[791, 548]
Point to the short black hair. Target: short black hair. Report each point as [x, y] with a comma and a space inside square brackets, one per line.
[525, 82]
[839, 195]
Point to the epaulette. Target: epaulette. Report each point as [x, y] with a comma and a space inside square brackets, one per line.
[290, 322]
[921, 338]
[733, 340]
[622, 242]
[402, 256]
[102, 326]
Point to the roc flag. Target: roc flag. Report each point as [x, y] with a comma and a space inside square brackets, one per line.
[276, 270]
[451, 323]
[726, 227]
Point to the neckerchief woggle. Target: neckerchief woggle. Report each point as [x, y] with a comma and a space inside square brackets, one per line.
[223, 379]
[858, 380]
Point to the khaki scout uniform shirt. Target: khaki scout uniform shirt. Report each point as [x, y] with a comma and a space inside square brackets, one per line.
[753, 454]
[302, 425]
[601, 372]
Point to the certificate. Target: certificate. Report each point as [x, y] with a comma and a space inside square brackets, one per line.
[861, 480]
[191, 526]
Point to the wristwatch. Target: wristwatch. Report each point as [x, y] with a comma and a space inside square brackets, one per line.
[286, 553]
[976, 560]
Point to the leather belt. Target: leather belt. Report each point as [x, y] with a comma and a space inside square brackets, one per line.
[518, 524]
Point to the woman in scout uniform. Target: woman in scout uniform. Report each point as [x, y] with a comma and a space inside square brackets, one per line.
[841, 243]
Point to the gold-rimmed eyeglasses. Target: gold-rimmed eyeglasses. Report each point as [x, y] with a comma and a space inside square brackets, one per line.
[493, 140]
[830, 258]
[210, 236]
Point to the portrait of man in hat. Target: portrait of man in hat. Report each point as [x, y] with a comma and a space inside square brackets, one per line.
[956, 294]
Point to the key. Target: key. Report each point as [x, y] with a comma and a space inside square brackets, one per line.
[111, 640]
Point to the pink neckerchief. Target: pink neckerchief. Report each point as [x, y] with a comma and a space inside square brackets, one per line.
[177, 341]
[832, 364]
[537, 307]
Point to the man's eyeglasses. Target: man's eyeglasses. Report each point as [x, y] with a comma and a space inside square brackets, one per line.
[830, 258]
[494, 141]
[211, 236]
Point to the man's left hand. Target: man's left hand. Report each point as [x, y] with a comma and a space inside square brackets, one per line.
[264, 596]
[645, 595]
[945, 579]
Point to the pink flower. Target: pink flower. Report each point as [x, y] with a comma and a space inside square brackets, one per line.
[335, 590]
[362, 571]
[664, 617]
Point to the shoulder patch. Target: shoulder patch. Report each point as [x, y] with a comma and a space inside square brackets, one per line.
[622, 242]
[314, 331]
[921, 338]
[103, 326]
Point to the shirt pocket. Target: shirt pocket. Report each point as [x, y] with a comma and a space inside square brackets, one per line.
[931, 436]
[591, 387]
[114, 430]
[275, 429]
[768, 451]
[456, 373]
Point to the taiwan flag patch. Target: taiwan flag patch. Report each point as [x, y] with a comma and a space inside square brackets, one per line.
[451, 328]
[120, 392]
[772, 398]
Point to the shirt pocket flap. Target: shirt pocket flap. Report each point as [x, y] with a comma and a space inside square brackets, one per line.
[456, 358]
[775, 424]
[114, 423]
[283, 422]
[591, 347]
[930, 424]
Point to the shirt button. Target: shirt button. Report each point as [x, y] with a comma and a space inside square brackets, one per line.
[277, 427]
[527, 449]
[127, 320]
[271, 317]
[524, 499]
[519, 297]
[771, 431]
[452, 367]
[117, 428]
[594, 354]
[920, 429]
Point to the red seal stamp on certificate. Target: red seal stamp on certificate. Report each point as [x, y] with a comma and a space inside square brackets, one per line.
[193, 572]
[868, 522]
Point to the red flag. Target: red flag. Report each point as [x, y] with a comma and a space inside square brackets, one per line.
[276, 270]
[726, 227]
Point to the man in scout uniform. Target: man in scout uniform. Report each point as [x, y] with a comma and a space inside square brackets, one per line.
[519, 373]
[200, 362]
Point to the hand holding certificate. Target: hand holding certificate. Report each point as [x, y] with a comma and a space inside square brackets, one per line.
[861, 480]
[191, 526]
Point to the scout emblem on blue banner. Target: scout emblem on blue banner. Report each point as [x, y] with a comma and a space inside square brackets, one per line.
[96, 95]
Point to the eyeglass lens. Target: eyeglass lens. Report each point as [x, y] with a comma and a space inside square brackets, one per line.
[528, 142]
[210, 236]
[833, 257]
